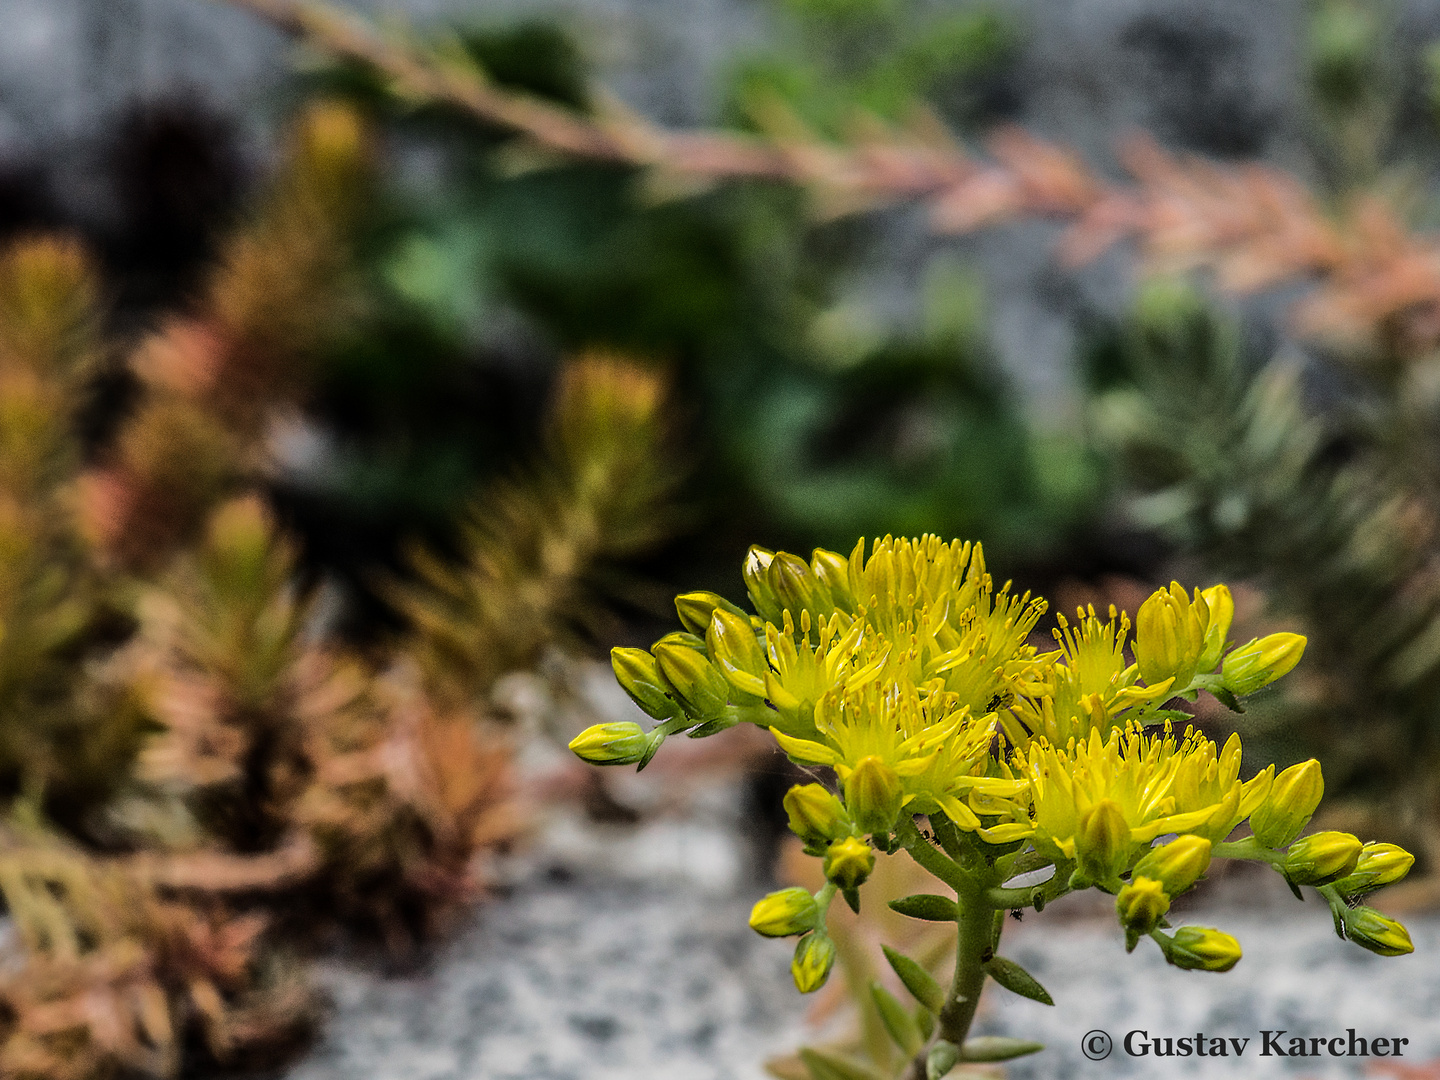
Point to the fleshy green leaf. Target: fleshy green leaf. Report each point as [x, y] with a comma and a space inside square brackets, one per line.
[917, 980]
[897, 1020]
[1017, 980]
[829, 1067]
[997, 1048]
[941, 1059]
[925, 906]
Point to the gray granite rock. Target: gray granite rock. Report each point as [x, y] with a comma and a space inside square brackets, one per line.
[606, 979]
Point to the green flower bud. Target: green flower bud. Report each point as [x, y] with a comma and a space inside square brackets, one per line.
[873, 795]
[1222, 613]
[1287, 809]
[638, 673]
[848, 862]
[1176, 865]
[1378, 865]
[796, 588]
[816, 815]
[1102, 846]
[1371, 930]
[695, 609]
[1199, 948]
[698, 684]
[814, 957]
[1259, 663]
[789, 911]
[832, 570]
[619, 743]
[1321, 858]
[736, 652]
[757, 583]
[1140, 906]
[684, 639]
[1170, 633]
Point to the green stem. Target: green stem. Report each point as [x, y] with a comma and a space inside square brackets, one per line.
[1052, 888]
[974, 948]
[1248, 849]
[932, 858]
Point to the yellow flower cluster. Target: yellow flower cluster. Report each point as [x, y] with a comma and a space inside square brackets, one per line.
[926, 690]
[916, 679]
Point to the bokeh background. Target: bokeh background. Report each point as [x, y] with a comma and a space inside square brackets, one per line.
[346, 422]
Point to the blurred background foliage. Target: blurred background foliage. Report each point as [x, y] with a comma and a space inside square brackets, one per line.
[295, 467]
[810, 418]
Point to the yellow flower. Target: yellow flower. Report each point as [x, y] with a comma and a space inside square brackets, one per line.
[789, 911]
[1289, 804]
[1170, 636]
[814, 957]
[1135, 771]
[848, 862]
[1201, 948]
[1087, 687]
[816, 815]
[621, 742]
[1378, 865]
[1176, 865]
[1378, 933]
[1259, 663]
[1140, 906]
[1321, 857]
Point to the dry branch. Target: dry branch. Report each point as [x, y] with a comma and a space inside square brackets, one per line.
[1254, 226]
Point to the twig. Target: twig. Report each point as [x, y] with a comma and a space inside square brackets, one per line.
[1254, 226]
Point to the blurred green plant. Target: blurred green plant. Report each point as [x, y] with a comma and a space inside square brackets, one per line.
[844, 58]
[1333, 511]
[810, 412]
[198, 771]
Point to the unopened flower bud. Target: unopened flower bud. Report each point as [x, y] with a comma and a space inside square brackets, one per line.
[873, 795]
[1222, 614]
[620, 743]
[1102, 846]
[832, 570]
[795, 588]
[1378, 865]
[816, 815]
[1170, 631]
[1291, 801]
[638, 673]
[848, 862]
[698, 684]
[695, 609]
[1176, 865]
[1371, 930]
[1321, 858]
[757, 583]
[736, 652]
[1259, 663]
[789, 911]
[1140, 906]
[1200, 948]
[814, 957]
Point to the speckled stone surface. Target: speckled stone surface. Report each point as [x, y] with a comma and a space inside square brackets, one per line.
[612, 979]
[586, 980]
